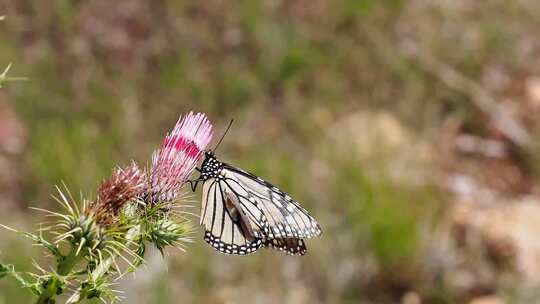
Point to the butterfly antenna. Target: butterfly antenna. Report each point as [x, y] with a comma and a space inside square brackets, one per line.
[223, 136]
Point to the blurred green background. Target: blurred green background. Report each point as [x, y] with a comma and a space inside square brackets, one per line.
[409, 129]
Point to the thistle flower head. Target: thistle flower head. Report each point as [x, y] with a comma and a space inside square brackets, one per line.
[114, 192]
[173, 163]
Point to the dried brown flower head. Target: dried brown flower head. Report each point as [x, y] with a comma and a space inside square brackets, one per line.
[114, 192]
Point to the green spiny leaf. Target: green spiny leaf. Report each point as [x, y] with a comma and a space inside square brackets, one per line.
[9, 270]
[5, 270]
[53, 249]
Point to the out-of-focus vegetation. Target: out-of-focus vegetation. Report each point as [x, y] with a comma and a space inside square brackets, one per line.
[408, 128]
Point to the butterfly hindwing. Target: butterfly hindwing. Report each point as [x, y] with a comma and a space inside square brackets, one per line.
[285, 216]
[290, 246]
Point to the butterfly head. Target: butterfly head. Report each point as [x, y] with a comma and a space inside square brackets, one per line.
[211, 167]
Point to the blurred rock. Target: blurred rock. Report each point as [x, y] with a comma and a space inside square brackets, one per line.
[487, 300]
[370, 132]
[506, 233]
[378, 137]
[411, 298]
[486, 162]
[485, 147]
[532, 87]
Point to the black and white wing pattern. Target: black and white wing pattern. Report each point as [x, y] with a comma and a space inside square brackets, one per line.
[242, 212]
[233, 223]
[286, 218]
[288, 245]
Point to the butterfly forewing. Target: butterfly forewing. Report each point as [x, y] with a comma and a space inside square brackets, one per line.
[285, 216]
[249, 205]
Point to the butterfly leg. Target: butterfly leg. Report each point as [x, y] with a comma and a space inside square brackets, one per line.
[193, 184]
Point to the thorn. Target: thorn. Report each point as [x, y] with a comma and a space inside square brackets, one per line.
[6, 70]
[4, 78]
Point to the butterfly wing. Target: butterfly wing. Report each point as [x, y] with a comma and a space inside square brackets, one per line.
[290, 246]
[232, 220]
[286, 218]
[242, 212]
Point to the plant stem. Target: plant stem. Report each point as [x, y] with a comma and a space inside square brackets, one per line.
[53, 285]
[48, 293]
[65, 266]
[102, 268]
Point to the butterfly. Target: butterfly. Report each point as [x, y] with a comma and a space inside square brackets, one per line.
[241, 212]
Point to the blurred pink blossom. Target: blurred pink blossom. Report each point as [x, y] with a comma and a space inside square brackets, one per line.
[178, 156]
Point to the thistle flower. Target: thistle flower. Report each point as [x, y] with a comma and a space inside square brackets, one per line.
[97, 233]
[173, 163]
[114, 192]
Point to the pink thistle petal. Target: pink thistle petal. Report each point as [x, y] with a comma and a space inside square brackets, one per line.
[178, 156]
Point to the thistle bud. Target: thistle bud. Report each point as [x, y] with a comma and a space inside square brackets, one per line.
[166, 232]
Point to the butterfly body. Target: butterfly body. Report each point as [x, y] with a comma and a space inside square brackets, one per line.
[242, 212]
[211, 168]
